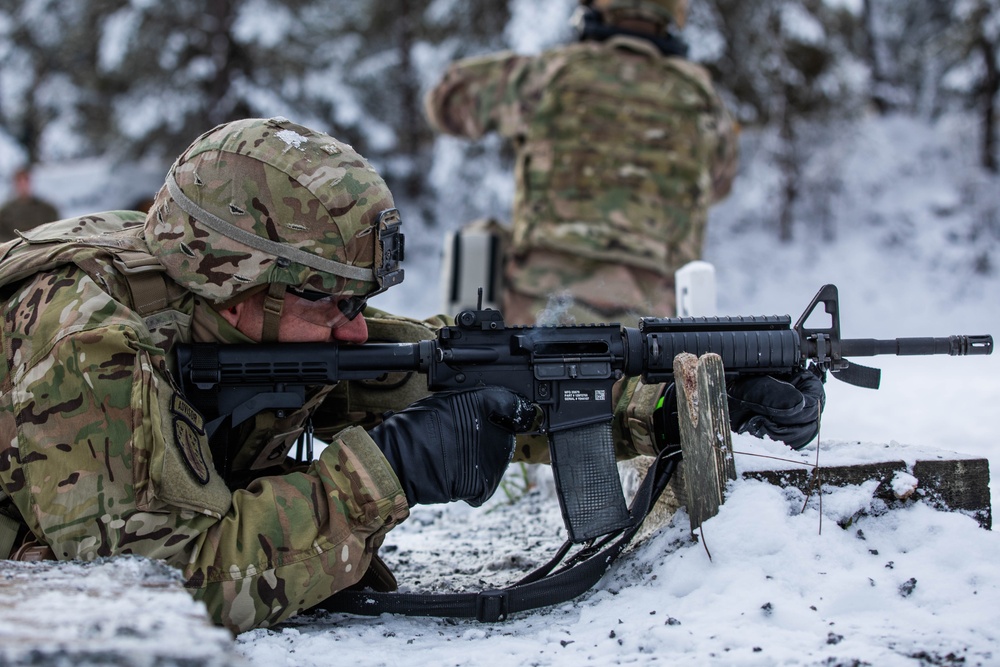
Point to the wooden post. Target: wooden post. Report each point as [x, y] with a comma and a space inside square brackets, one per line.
[706, 444]
[947, 481]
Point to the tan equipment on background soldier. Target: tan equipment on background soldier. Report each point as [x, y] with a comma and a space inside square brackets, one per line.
[621, 146]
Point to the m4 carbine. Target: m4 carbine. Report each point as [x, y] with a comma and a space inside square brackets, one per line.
[568, 371]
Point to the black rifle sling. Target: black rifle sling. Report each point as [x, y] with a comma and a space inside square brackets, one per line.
[540, 588]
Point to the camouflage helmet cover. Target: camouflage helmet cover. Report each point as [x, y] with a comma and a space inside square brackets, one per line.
[257, 202]
[667, 11]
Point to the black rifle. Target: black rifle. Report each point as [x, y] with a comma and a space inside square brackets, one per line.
[568, 371]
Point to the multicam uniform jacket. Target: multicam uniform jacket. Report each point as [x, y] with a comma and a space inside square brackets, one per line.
[620, 152]
[102, 456]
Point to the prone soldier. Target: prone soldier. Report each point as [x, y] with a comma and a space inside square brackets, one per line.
[264, 231]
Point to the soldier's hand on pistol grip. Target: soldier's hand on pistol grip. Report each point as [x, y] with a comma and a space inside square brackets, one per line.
[454, 445]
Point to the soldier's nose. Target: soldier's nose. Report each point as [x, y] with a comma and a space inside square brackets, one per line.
[352, 331]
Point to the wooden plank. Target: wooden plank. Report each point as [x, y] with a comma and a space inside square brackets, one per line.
[962, 485]
[125, 611]
[706, 443]
[947, 482]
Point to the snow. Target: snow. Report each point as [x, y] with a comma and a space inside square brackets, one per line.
[116, 32]
[41, 621]
[762, 586]
[798, 23]
[291, 138]
[264, 24]
[535, 26]
[775, 578]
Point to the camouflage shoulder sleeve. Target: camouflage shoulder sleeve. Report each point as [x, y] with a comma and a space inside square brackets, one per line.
[727, 156]
[719, 126]
[140, 479]
[381, 321]
[103, 457]
[100, 465]
[633, 423]
[490, 93]
[291, 541]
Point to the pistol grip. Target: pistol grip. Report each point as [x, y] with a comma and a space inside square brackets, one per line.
[587, 482]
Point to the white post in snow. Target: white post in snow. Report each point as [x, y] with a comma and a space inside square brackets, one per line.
[695, 286]
[473, 260]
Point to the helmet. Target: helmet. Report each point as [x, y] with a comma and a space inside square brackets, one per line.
[658, 11]
[267, 204]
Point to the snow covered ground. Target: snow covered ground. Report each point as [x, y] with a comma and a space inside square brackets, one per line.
[909, 587]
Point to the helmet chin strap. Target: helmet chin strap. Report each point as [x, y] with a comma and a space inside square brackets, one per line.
[273, 303]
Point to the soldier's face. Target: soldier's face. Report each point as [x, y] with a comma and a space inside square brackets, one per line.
[248, 317]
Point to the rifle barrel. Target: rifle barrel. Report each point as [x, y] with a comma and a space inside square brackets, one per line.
[951, 345]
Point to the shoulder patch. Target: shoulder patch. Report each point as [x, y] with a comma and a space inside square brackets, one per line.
[181, 408]
[189, 434]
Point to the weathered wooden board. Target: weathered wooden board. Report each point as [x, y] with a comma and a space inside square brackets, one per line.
[946, 481]
[706, 443]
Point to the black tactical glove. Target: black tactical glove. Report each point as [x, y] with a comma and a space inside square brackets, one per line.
[454, 445]
[784, 407]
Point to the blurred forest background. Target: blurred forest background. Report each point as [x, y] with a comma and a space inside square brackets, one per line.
[136, 80]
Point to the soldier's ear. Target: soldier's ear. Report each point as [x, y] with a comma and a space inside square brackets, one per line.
[233, 313]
